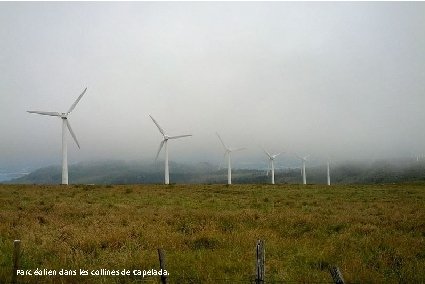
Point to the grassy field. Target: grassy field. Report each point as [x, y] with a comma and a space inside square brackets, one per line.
[374, 233]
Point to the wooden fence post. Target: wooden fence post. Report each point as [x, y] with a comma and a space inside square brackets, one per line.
[336, 275]
[162, 265]
[260, 269]
[16, 259]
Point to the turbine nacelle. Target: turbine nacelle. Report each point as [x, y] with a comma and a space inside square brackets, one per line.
[274, 156]
[230, 150]
[302, 158]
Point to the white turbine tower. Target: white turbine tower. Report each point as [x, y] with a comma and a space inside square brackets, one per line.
[228, 151]
[164, 143]
[65, 124]
[303, 159]
[271, 163]
[328, 173]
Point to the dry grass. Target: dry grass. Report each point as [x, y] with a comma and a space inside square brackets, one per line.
[375, 234]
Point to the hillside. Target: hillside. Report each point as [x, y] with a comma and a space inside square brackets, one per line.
[136, 172]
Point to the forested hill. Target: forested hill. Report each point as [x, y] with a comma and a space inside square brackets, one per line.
[121, 172]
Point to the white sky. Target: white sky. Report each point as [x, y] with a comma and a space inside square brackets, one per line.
[338, 78]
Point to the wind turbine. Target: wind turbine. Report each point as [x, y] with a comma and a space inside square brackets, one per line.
[228, 151]
[303, 159]
[328, 173]
[65, 124]
[164, 143]
[271, 163]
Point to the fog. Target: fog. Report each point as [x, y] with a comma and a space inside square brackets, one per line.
[338, 79]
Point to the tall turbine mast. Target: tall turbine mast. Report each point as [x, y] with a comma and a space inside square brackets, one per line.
[328, 173]
[164, 143]
[65, 125]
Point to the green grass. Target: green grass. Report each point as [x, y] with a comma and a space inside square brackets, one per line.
[374, 233]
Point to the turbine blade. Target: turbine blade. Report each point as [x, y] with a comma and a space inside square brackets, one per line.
[157, 125]
[238, 149]
[275, 155]
[76, 102]
[72, 133]
[267, 153]
[305, 158]
[221, 141]
[159, 149]
[221, 161]
[45, 112]
[179, 136]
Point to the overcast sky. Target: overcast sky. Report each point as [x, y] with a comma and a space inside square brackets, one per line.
[339, 78]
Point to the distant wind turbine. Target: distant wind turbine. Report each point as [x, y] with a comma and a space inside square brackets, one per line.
[164, 143]
[65, 124]
[228, 151]
[328, 173]
[303, 159]
[271, 163]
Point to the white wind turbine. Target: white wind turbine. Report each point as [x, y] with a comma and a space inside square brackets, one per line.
[228, 151]
[328, 173]
[303, 159]
[164, 143]
[271, 163]
[65, 124]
